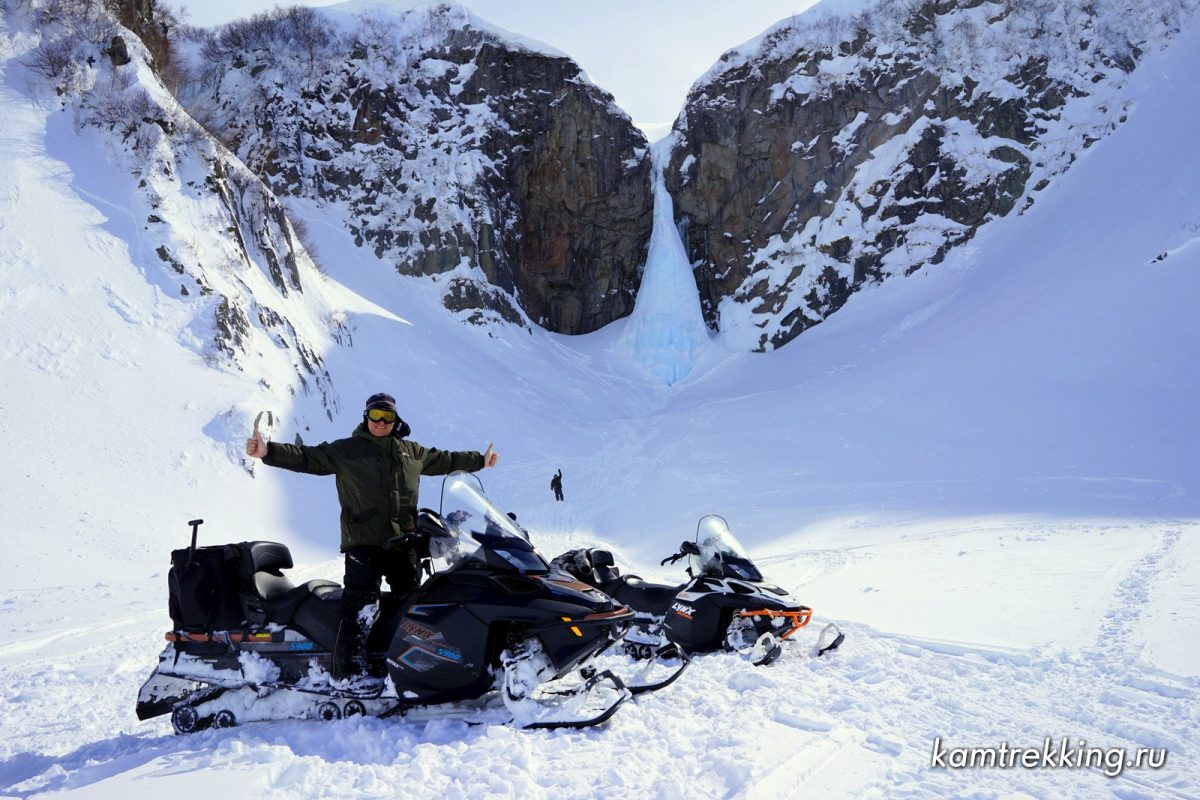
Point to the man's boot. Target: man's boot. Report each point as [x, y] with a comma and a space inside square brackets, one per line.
[345, 651]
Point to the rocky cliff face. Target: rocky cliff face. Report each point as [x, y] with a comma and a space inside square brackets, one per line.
[839, 150]
[830, 154]
[448, 150]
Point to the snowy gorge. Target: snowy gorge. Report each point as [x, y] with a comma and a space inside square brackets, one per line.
[983, 465]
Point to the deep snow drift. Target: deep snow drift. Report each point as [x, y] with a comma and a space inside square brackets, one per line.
[986, 473]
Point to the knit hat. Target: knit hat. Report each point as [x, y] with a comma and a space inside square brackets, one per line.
[381, 400]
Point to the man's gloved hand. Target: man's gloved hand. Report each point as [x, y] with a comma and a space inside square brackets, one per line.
[402, 541]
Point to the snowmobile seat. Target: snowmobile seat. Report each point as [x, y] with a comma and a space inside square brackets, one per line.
[640, 595]
[268, 586]
[281, 599]
[603, 566]
[262, 565]
[319, 612]
[271, 557]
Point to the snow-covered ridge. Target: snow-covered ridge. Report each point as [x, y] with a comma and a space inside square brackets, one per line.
[964, 38]
[221, 230]
[370, 8]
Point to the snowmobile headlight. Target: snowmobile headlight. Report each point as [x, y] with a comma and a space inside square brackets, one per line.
[509, 557]
[523, 561]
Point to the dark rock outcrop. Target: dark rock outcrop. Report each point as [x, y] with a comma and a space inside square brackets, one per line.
[118, 53]
[576, 169]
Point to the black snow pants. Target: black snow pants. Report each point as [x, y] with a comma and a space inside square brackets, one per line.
[366, 567]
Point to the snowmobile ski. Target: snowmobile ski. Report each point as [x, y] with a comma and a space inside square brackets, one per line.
[643, 683]
[830, 639]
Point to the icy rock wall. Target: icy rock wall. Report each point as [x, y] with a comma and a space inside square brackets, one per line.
[838, 150]
[445, 149]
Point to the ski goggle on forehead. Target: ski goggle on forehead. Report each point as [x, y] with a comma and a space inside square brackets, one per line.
[381, 415]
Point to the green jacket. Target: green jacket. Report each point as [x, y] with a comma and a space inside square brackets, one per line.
[377, 479]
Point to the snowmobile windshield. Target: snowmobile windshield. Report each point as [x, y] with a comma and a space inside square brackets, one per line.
[720, 553]
[480, 534]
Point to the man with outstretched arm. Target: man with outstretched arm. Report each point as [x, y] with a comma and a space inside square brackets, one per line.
[378, 474]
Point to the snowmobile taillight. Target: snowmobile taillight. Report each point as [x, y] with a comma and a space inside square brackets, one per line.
[225, 636]
[578, 586]
[620, 612]
[798, 619]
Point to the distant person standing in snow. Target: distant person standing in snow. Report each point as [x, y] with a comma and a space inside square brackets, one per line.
[556, 485]
[378, 476]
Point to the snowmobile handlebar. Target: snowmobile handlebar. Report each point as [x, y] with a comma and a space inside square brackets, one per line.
[416, 539]
[685, 549]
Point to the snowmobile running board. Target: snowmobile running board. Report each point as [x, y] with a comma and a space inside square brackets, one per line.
[179, 705]
[374, 689]
[468, 713]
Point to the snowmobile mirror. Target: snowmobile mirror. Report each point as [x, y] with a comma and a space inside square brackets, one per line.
[430, 523]
[685, 549]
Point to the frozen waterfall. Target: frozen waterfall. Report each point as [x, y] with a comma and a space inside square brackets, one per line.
[666, 331]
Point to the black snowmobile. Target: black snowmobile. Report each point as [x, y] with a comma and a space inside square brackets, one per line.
[726, 604]
[493, 631]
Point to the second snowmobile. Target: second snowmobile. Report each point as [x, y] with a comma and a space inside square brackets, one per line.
[492, 628]
[726, 603]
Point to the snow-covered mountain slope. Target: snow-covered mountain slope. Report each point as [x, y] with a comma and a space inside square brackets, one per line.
[155, 297]
[985, 472]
